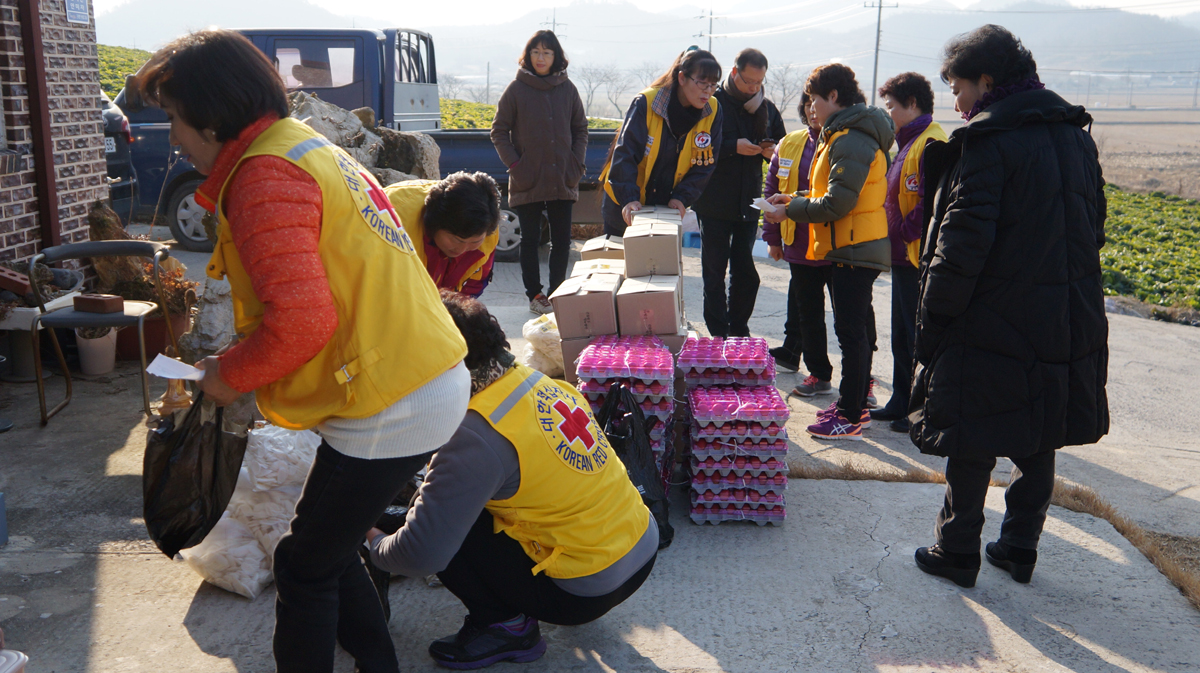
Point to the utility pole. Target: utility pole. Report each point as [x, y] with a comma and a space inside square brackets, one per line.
[878, 32]
[1089, 91]
[487, 93]
[709, 35]
[1196, 88]
[553, 23]
[1130, 103]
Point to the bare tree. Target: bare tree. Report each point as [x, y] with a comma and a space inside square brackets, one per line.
[784, 85]
[479, 93]
[450, 86]
[592, 78]
[647, 72]
[616, 83]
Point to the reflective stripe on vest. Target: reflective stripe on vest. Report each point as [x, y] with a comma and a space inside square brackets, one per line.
[790, 152]
[699, 139]
[865, 222]
[575, 512]
[910, 181]
[393, 333]
[408, 198]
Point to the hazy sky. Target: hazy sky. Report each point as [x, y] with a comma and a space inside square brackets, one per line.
[498, 11]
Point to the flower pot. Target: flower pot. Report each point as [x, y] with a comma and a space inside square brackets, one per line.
[156, 337]
[97, 356]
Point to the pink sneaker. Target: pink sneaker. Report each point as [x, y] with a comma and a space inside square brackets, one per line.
[835, 427]
[832, 410]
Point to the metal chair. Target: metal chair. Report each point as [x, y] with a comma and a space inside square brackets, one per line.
[68, 318]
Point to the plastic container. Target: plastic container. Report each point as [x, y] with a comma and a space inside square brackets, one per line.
[721, 404]
[743, 354]
[12, 661]
[644, 358]
[758, 514]
[729, 465]
[739, 431]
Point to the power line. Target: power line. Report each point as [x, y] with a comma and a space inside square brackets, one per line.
[813, 22]
[878, 33]
[553, 23]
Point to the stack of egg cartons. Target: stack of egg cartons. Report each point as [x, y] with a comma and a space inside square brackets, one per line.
[644, 364]
[739, 435]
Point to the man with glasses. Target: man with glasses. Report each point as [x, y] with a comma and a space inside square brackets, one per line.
[728, 225]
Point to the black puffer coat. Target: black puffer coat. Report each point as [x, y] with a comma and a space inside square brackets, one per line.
[1012, 340]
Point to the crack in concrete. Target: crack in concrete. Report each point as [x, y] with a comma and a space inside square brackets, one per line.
[887, 552]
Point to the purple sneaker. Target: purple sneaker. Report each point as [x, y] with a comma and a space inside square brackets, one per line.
[835, 427]
[477, 646]
[832, 410]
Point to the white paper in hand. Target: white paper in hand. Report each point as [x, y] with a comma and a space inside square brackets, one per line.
[170, 368]
[762, 204]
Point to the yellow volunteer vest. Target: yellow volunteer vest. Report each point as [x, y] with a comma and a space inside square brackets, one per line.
[790, 151]
[576, 512]
[699, 139]
[866, 222]
[393, 333]
[408, 198]
[910, 181]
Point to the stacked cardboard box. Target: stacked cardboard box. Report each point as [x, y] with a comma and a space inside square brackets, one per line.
[739, 436]
[651, 298]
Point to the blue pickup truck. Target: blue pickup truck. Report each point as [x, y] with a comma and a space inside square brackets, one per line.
[392, 71]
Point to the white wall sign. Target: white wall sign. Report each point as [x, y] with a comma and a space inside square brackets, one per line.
[77, 11]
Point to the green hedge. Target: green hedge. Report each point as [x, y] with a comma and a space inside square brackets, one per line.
[1153, 248]
[461, 114]
[116, 63]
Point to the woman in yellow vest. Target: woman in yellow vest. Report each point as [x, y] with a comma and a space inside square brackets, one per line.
[846, 226]
[908, 98]
[454, 224]
[664, 152]
[527, 515]
[342, 329]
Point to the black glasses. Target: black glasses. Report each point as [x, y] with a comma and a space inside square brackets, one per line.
[708, 87]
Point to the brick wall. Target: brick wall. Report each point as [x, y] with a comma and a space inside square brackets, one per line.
[73, 79]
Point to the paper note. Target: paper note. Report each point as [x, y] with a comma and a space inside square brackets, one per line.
[170, 368]
[762, 205]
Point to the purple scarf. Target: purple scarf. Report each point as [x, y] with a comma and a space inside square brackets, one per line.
[1002, 92]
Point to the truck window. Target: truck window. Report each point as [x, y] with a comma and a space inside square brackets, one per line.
[316, 63]
[412, 59]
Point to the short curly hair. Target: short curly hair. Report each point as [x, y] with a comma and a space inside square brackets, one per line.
[907, 88]
[486, 340]
[988, 50]
[464, 204]
[835, 77]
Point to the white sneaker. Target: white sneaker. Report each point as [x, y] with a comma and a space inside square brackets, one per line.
[540, 305]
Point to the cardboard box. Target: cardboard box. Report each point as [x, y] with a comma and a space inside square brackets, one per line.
[651, 305]
[603, 247]
[653, 249]
[657, 214]
[571, 348]
[675, 342]
[585, 306]
[587, 267]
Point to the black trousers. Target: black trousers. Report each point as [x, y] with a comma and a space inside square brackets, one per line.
[559, 215]
[324, 595]
[804, 331]
[906, 280]
[728, 245]
[1027, 498]
[491, 575]
[853, 322]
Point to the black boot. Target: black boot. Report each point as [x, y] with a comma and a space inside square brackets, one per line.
[1018, 562]
[785, 358]
[962, 569]
[476, 646]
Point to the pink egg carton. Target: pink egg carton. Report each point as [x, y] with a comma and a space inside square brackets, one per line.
[739, 430]
[760, 514]
[644, 358]
[738, 353]
[726, 497]
[655, 391]
[722, 404]
[722, 377]
[752, 466]
[718, 449]
[715, 482]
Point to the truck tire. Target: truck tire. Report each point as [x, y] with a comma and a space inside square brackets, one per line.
[184, 218]
[508, 248]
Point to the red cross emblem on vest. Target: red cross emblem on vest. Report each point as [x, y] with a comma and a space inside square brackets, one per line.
[574, 425]
[380, 198]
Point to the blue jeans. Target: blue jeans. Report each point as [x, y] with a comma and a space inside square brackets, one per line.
[324, 595]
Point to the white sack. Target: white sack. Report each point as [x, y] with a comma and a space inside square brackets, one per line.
[277, 457]
[231, 558]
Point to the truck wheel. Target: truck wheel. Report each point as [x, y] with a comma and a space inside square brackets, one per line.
[185, 218]
[508, 248]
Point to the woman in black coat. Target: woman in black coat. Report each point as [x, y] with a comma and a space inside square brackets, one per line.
[1012, 340]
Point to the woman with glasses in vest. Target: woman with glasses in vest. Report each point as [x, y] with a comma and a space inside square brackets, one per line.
[846, 225]
[908, 98]
[527, 515]
[664, 153]
[314, 255]
[804, 331]
[540, 132]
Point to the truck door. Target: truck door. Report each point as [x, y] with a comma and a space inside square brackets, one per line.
[331, 67]
[415, 102]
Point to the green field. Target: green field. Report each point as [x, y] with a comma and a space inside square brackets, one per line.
[116, 63]
[1153, 248]
[461, 114]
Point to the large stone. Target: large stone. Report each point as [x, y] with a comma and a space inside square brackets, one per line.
[212, 326]
[414, 153]
[387, 176]
[340, 126]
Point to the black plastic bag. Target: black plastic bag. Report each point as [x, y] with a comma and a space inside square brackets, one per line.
[628, 432]
[188, 475]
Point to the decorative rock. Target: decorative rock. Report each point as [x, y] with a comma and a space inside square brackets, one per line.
[212, 326]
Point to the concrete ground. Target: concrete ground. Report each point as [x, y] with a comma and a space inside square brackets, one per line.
[835, 588]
